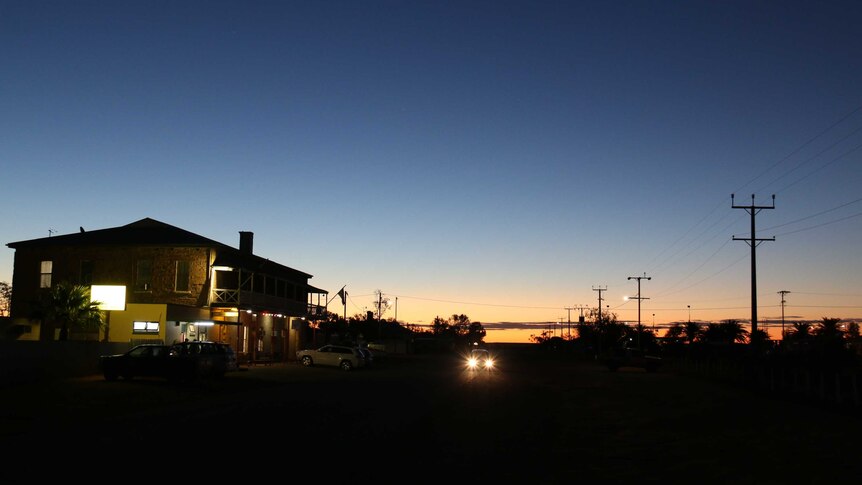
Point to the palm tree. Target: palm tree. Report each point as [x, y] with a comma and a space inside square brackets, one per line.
[828, 328]
[675, 332]
[70, 306]
[829, 336]
[727, 332]
[733, 331]
[801, 331]
[692, 332]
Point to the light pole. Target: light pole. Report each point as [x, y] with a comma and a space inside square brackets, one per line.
[689, 313]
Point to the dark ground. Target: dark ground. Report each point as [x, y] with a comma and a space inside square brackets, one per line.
[424, 419]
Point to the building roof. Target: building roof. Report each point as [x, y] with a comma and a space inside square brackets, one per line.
[144, 232]
[150, 232]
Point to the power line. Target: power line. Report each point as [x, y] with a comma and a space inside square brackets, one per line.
[669, 256]
[800, 147]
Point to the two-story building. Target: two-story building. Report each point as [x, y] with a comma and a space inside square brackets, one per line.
[173, 285]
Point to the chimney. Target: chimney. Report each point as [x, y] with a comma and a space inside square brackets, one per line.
[246, 241]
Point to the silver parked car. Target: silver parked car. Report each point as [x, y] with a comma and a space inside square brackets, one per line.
[347, 358]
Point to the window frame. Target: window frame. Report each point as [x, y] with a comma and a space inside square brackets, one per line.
[148, 327]
[46, 271]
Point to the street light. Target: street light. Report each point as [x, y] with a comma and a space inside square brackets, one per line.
[689, 313]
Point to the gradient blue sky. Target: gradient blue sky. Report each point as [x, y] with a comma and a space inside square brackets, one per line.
[497, 159]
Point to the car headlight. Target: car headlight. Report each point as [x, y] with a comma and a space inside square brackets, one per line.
[472, 363]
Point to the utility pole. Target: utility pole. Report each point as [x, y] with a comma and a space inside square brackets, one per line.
[782, 293]
[639, 298]
[569, 320]
[581, 317]
[753, 242]
[380, 315]
[600, 290]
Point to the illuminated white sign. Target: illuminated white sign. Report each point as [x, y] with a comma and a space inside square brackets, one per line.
[110, 297]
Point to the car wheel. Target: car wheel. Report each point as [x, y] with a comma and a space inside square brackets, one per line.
[346, 365]
[306, 361]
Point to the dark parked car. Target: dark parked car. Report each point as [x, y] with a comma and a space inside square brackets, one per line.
[627, 354]
[185, 361]
[200, 359]
[230, 355]
[145, 360]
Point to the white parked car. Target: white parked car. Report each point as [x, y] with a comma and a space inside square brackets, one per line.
[347, 358]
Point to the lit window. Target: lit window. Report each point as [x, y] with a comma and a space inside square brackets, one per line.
[182, 280]
[45, 274]
[145, 327]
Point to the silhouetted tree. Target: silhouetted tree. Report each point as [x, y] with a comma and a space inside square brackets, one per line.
[541, 338]
[602, 333]
[726, 332]
[476, 332]
[439, 326]
[759, 342]
[829, 337]
[852, 331]
[828, 329]
[799, 331]
[692, 332]
[463, 331]
[674, 332]
[70, 306]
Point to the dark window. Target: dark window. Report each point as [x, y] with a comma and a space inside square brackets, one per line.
[227, 280]
[258, 283]
[270, 286]
[86, 273]
[246, 282]
[182, 279]
[144, 275]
